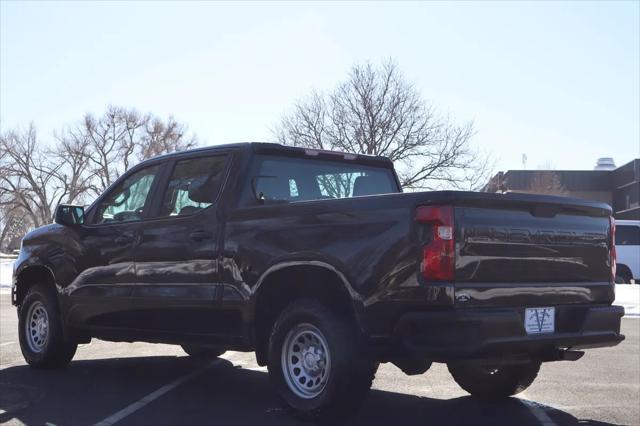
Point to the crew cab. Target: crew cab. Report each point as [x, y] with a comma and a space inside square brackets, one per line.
[319, 263]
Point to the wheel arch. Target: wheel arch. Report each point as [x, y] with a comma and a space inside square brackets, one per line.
[28, 276]
[288, 281]
[624, 270]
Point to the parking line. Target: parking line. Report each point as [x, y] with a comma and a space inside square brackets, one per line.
[7, 343]
[132, 408]
[538, 411]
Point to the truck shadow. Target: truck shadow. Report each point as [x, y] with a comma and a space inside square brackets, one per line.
[91, 390]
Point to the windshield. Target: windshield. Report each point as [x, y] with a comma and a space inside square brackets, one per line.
[300, 179]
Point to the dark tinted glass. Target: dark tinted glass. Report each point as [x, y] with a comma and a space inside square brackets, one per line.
[299, 179]
[627, 235]
[194, 185]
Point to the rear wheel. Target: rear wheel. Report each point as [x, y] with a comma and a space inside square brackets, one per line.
[493, 381]
[44, 342]
[202, 351]
[318, 363]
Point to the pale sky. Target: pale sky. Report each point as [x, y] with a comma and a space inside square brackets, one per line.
[559, 82]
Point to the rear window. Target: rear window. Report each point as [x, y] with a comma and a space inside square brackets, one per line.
[300, 179]
[627, 235]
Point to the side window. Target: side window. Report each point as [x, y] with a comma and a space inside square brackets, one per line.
[194, 185]
[627, 235]
[127, 201]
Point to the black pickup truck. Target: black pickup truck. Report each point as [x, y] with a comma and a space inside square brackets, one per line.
[321, 265]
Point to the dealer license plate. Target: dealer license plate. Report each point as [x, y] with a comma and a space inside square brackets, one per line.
[540, 320]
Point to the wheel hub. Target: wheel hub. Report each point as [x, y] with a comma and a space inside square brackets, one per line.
[313, 360]
[37, 327]
[305, 360]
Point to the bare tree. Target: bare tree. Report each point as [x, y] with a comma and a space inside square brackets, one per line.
[75, 173]
[537, 182]
[120, 137]
[29, 180]
[13, 225]
[162, 137]
[377, 112]
[81, 162]
[546, 182]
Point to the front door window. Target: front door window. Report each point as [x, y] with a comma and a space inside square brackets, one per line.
[127, 201]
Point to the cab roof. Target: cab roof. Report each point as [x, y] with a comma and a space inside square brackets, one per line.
[279, 149]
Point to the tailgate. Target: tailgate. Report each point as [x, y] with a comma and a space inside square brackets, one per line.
[514, 251]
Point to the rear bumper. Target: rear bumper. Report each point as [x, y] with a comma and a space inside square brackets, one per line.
[459, 334]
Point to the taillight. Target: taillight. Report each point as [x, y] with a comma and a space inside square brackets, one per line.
[612, 252]
[438, 262]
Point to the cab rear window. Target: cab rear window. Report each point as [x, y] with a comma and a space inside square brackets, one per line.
[297, 179]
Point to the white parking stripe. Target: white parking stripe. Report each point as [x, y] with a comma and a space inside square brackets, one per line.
[538, 411]
[7, 343]
[130, 409]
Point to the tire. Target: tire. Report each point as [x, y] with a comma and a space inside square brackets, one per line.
[623, 275]
[491, 381]
[202, 351]
[44, 342]
[336, 373]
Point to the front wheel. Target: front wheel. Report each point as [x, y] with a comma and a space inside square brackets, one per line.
[317, 362]
[487, 380]
[42, 336]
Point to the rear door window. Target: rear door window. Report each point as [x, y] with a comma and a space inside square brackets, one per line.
[194, 185]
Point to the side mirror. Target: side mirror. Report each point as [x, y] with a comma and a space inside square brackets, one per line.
[69, 215]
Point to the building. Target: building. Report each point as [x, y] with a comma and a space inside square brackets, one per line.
[617, 186]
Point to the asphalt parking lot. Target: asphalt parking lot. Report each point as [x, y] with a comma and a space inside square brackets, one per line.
[133, 384]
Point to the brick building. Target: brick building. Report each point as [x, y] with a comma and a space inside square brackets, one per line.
[617, 186]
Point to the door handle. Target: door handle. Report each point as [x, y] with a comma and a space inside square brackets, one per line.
[124, 239]
[200, 235]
